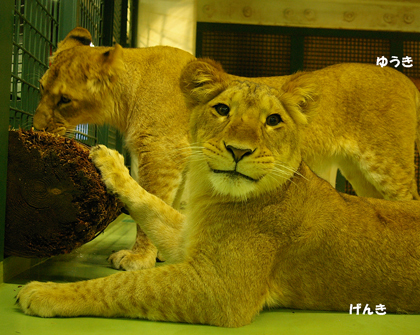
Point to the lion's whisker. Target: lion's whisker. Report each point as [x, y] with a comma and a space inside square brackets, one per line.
[285, 166]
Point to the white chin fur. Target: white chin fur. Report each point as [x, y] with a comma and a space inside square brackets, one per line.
[234, 186]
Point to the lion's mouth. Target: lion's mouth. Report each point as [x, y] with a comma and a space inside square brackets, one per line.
[235, 173]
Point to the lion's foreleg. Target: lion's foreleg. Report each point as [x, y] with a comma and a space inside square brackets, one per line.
[161, 223]
[178, 293]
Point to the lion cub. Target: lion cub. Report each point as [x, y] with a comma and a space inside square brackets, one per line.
[261, 229]
[366, 126]
[134, 90]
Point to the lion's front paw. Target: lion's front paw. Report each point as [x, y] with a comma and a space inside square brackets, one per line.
[39, 299]
[111, 165]
[130, 261]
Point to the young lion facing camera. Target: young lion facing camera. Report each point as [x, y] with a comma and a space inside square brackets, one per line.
[367, 126]
[259, 221]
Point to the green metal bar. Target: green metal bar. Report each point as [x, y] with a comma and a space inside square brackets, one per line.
[25, 81]
[102, 134]
[123, 30]
[68, 17]
[119, 142]
[27, 65]
[108, 22]
[28, 23]
[134, 20]
[46, 12]
[107, 28]
[84, 135]
[6, 33]
[20, 111]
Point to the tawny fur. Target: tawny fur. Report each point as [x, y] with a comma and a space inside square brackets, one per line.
[261, 229]
[136, 91]
[366, 124]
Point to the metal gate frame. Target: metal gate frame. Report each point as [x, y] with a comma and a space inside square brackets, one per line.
[6, 28]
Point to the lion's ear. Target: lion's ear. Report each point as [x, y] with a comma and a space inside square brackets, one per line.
[108, 66]
[300, 97]
[78, 36]
[201, 80]
[112, 62]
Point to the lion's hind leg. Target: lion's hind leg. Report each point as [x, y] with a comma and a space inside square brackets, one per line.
[373, 177]
[159, 164]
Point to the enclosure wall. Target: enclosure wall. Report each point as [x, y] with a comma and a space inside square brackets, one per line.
[165, 22]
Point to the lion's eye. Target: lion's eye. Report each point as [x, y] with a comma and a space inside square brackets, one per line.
[64, 100]
[222, 109]
[273, 120]
[41, 87]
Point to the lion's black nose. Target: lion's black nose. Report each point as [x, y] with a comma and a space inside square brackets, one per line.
[237, 153]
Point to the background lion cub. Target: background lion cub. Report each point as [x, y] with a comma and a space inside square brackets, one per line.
[261, 228]
[366, 120]
[136, 91]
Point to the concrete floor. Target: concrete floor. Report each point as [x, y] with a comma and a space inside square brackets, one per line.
[89, 261]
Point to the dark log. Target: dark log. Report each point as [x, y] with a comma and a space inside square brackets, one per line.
[56, 200]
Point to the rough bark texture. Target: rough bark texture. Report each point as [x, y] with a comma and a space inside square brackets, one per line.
[56, 200]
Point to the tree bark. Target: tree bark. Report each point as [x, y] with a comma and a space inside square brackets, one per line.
[56, 200]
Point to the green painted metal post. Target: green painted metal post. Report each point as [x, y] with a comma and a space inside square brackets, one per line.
[68, 17]
[108, 22]
[6, 34]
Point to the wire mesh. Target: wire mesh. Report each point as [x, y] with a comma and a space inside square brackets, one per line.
[91, 18]
[35, 31]
[248, 54]
[412, 49]
[321, 51]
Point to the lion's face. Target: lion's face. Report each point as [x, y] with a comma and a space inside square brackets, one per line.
[246, 137]
[75, 89]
